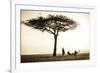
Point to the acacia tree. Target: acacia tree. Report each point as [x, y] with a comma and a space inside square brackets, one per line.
[52, 24]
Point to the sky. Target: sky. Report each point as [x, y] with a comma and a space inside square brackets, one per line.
[36, 42]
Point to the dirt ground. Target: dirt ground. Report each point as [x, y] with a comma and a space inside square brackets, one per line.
[49, 57]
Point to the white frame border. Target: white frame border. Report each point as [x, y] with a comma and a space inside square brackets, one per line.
[14, 64]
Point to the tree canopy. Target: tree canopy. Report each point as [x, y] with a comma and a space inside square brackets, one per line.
[52, 23]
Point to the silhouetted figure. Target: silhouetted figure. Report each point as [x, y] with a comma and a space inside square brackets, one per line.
[75, 52]
[63, 51]
[68, 53]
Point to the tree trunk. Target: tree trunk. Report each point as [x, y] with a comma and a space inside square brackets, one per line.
[55, 45]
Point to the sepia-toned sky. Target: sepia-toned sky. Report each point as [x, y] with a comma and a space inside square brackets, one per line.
[36, 42]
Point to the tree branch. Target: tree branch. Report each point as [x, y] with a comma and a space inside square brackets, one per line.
[49, 31]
